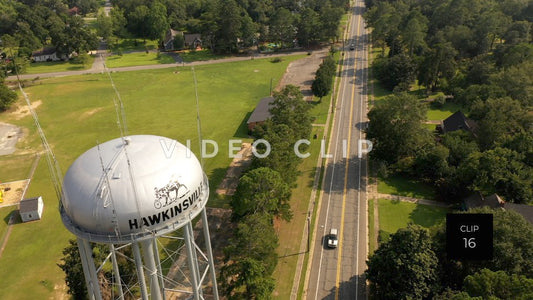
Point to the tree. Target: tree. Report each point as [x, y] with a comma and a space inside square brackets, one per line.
[397, 71]
[500, 285]
[395, 128]
[229, 23]
[321, 86]
[414, 34]
[104, 26]
[245, 279]
[74, 37]
[289, 108]
[71, 265]
[324, 77]
[138, 21]
[282, 31]
[404, 267]
[307, 24]
[282, 157]
[330, 17]
[262, 191]
[119, 21]
[7, 97]
[157, 21]
[250, 259]
[493, 128]
[513, 249]
[517, 81]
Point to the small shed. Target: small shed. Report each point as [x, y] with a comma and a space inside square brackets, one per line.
[31, 209]
[261, 113]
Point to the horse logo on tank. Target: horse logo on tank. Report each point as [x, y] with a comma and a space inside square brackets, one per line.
[170, 193]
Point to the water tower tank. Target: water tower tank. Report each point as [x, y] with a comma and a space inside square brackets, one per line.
[131, 188]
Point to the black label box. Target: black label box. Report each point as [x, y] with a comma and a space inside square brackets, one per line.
[469, 236]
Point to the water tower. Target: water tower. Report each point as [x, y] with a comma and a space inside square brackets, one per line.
[131, 192]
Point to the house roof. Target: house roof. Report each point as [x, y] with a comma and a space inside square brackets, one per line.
[525, 210]
[29, 205]
[44, 51]
[190, 38]
[458, 121]
[262, 111]
[171, 33]
[477, 200]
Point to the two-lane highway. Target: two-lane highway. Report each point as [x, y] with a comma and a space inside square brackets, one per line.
[338, 273]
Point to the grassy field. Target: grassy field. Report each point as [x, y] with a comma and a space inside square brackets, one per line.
[394, 215]
[137, 59]
[403, 186]
[77, 112]
[57, 66]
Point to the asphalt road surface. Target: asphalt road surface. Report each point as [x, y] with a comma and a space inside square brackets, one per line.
[338, 273]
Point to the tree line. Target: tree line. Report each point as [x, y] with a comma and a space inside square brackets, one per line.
[263, 195]
[480, 53]
[413, 264]
[229, 25]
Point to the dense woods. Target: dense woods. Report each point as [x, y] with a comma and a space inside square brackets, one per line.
[478, 53]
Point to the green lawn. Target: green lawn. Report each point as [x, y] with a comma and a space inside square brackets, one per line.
[403, 186]
[137, 59]
[371, 229]
[394, 215]
[128, 45]
[442, 113]
[77, 112]
[57, 66]
[5, 213]
[430, 127]
[201, 55]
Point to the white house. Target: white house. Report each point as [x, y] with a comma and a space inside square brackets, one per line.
[46, 54]
[31, 209]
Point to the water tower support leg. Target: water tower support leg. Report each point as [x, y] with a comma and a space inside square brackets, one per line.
[211, 262]
[192, 263]
[159, 270]
[91, 278]
[195, 259]
[148, 253]
[140, 271]
[116, 270]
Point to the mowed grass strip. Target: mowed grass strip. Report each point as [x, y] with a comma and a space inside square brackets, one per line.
[138, 59]
[77, 112]
[57, 66]
[394, 215]
[290, 233]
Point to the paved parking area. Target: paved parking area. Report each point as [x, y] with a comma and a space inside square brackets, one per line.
[9, 135]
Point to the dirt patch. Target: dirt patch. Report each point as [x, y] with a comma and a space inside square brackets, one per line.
[240, 163]
[13, 192]
[90, 112]
[23, 111]
[301, 73]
